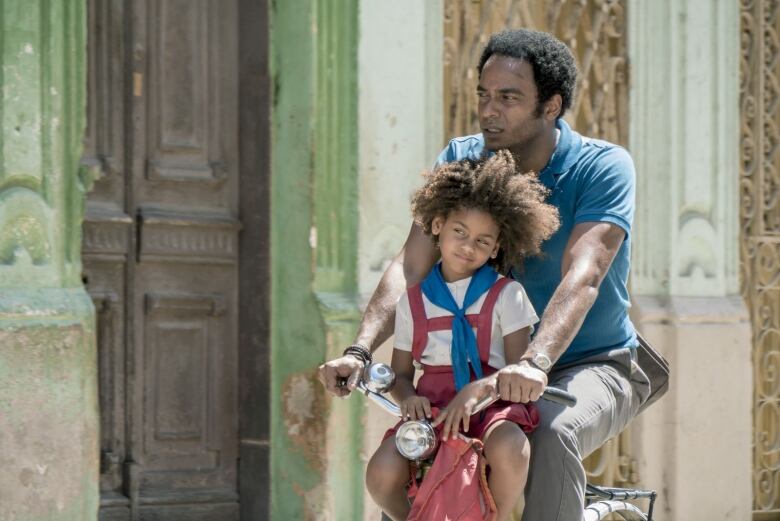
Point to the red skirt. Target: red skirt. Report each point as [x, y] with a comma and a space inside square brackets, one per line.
[438, 385]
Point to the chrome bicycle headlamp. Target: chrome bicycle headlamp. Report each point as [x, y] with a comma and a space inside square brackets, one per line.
[416, 440]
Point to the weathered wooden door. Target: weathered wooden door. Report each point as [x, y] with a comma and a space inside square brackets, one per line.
[161, 254]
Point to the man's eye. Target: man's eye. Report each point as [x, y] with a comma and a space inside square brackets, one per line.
[459, 231]
[482, 95]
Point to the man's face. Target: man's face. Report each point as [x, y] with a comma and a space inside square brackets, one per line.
[509, 111]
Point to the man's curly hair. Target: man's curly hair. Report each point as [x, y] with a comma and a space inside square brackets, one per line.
[516, 201]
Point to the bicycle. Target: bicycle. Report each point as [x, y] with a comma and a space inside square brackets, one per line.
[420, 442]
[604, 501]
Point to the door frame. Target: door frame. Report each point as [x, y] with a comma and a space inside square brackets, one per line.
[254, 346]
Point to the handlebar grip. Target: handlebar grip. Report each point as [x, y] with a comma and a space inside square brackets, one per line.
[556, 395]
[552, 394]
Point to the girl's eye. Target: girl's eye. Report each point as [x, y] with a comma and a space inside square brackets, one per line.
[459, 231]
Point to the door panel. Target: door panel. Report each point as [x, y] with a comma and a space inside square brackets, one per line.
[179, 92]
[186, 273]
[189, 99]
[161, 253]
[189, 418]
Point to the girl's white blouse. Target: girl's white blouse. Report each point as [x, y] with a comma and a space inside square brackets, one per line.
[512, 312]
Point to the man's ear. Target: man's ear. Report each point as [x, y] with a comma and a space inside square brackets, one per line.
[437, 224]
[552, 107]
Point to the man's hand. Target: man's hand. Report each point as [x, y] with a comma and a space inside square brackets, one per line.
[458, 413]
[521, 382]
[333, 373]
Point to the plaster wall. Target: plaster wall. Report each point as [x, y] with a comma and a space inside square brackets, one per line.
[48, 406]
[695, 443]
[400, 122]
[400, 107]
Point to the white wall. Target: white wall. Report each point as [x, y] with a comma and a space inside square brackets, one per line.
[400, 134]
[400, 121]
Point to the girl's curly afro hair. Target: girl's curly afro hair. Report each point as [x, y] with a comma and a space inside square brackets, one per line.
[516, 201]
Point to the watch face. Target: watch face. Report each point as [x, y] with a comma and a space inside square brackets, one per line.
[543, 361]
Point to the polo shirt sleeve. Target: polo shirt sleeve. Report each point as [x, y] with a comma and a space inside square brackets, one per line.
[403, 324]
[607, 192]
[514, 309]
[466, 147]
[448, 155]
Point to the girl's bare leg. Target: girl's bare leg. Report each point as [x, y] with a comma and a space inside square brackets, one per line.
[508, 453]
[386, 477]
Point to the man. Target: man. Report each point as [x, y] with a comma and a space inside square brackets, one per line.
[585, 342]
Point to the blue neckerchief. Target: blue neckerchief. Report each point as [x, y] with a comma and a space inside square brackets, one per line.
[464, 349]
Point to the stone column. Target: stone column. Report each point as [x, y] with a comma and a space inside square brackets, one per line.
[48, 385]
[695, 444]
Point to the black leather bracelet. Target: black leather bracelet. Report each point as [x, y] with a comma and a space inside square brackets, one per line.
[359, 355]
[360, 352]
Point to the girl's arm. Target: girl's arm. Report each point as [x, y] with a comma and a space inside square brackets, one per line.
[516, 344]
[412, 406]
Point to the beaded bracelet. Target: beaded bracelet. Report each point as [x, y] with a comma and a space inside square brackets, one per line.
[360, 352]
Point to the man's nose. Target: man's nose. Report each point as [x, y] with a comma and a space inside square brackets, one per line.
[488, 109]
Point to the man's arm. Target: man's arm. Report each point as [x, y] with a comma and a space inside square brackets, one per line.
[586, 261]
[588, 255]
[409, 267]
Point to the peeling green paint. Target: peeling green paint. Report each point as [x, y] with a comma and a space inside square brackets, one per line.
[295, 330]
[315, 464]
[42, 109]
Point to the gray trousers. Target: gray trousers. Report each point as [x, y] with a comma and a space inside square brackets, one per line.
[609, 388]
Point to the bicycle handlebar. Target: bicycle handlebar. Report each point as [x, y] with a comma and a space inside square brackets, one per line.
[552, 394]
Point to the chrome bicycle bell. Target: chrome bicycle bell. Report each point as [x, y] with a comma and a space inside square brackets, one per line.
[379, 378]
[416, 440]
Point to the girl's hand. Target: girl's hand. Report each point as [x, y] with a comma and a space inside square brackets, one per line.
[415, 408]
[458, 413]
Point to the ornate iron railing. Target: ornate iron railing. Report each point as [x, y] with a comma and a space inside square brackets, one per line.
[760, 240]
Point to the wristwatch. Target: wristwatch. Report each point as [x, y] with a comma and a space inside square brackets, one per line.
[540, 361]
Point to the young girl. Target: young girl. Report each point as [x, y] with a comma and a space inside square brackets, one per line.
[484, 218]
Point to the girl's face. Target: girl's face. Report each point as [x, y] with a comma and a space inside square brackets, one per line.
[467, 239]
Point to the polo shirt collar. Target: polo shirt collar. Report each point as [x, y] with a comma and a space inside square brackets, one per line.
[566, 153]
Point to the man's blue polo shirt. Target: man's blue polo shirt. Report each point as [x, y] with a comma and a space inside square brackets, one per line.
[589, 181]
